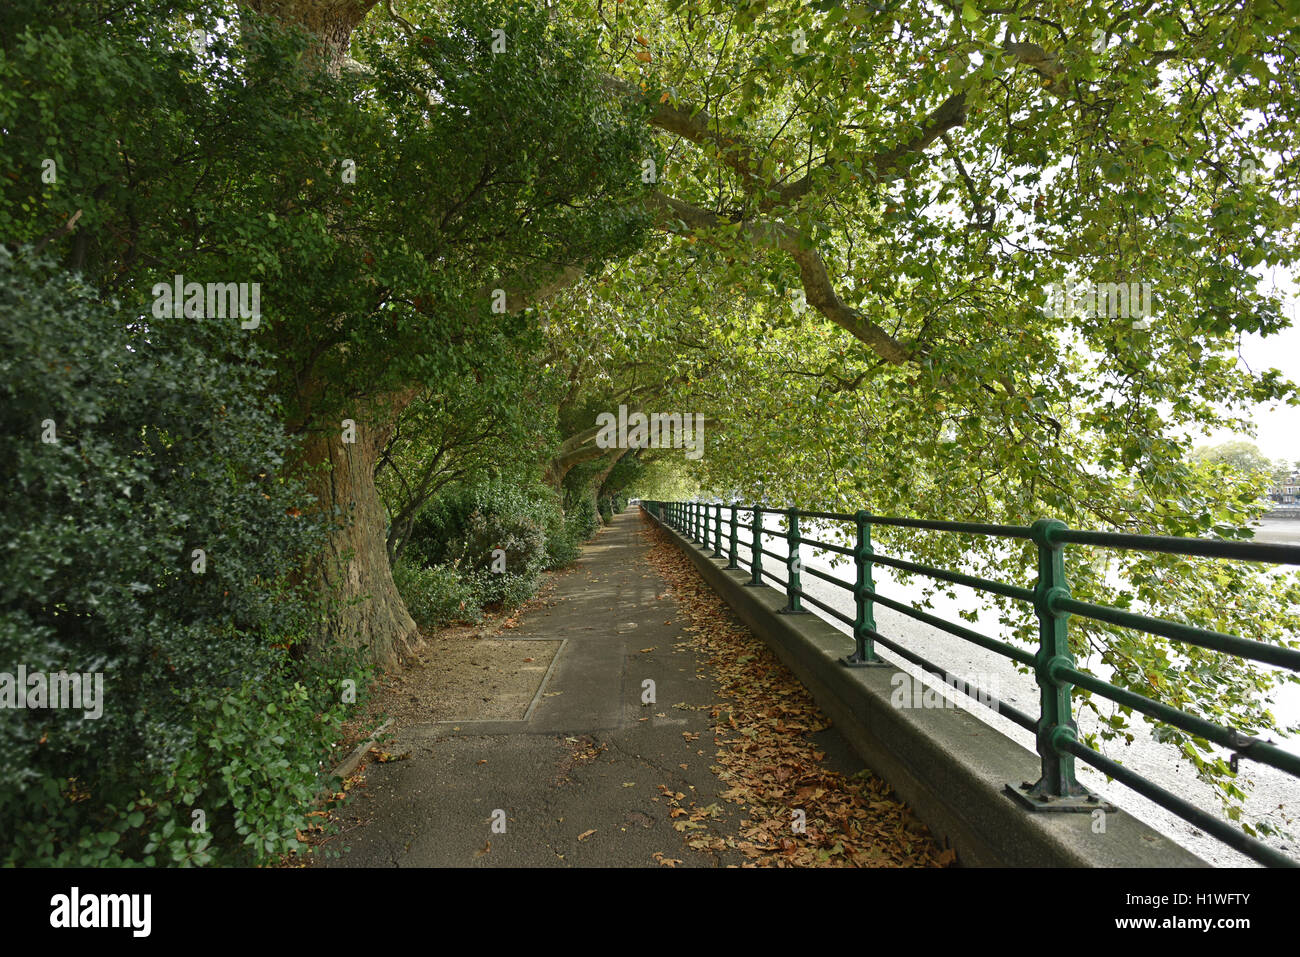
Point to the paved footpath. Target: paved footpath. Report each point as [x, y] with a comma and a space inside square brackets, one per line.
[590, 758]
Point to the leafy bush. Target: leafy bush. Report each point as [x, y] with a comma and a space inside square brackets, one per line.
[148, 538]
[561, 549]
[493, 529]
[463, 530]
[582, 518]
[436, 595]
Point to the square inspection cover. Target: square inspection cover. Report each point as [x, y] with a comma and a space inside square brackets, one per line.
[464, 677]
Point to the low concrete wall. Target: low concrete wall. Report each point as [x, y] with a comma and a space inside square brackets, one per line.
[949, 767]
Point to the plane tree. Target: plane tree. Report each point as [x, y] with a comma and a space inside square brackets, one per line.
[397, 198]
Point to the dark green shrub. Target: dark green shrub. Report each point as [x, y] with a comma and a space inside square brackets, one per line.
[501, 591]
[436, 595]
[582, 518]
[127, 445]
[496, 527]
[465, 528]
[561, 549]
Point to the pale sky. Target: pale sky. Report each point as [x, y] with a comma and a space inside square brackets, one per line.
[1277, 426]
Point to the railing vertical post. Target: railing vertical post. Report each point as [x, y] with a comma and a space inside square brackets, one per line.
[731, 551]
[717, 531]
[793, 566]
[864, 622]
[1057, 789]
[756, 548]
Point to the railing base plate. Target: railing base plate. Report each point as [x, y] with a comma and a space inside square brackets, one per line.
[853, 661]
[1083, 803]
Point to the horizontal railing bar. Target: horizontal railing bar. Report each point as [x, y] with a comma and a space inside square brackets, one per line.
[771, 554]
[1247, 747]
[974, 637]
[780, 581]
[829, 516]
[1214, 640]
[1203, 547]
[838, 615]
[1001, 707]
[966, 528]
[970, 581]
[828, 578]
[827, 546]
[1239, 840]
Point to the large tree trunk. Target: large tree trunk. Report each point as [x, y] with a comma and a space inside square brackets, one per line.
[353, 569]
[597, 483]
[331, 20]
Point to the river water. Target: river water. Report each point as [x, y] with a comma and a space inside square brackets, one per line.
[1273, 794]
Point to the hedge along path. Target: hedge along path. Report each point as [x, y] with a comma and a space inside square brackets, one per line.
[766, 758]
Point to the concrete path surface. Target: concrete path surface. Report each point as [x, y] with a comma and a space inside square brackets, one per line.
[590, 777]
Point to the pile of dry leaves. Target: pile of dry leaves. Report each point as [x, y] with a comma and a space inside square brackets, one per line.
[765, 757]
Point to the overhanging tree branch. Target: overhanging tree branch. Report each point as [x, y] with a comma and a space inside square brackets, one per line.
[817, 286]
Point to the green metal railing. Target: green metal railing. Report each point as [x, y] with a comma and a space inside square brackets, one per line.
[1054, 728]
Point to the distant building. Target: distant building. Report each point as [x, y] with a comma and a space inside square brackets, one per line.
[1287, 491]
